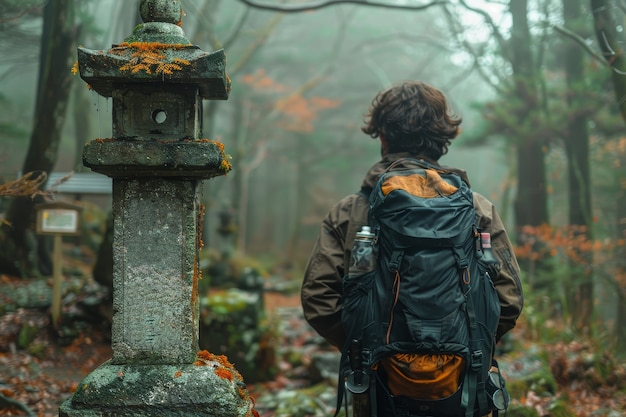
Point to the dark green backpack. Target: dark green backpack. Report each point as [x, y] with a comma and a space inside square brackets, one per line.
[430, 299]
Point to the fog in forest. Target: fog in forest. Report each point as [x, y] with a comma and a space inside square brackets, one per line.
[542, 135]
[541, 88]
[330, 63]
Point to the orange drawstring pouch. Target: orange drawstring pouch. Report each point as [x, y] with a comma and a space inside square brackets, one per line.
[423, 376]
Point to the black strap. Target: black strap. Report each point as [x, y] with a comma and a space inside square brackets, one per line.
[474, 379]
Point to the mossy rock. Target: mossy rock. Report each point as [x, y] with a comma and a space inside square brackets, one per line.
[518, 410]
[531, 372]
[232, 324]
[542, 382]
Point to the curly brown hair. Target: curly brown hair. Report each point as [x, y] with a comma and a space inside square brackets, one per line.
[413, 117]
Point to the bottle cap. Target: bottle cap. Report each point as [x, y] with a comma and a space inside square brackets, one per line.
[365, 231]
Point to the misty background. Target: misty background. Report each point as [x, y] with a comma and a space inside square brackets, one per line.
[542, 135]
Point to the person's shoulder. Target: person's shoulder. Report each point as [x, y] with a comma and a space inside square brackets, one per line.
[348, 200]
[481, 201]
[340, 211]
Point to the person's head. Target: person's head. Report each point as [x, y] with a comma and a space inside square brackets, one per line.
[412, 117]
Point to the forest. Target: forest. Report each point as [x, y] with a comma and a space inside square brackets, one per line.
[541, 88]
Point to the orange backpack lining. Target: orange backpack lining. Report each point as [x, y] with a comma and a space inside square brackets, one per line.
[429, 186]
[423, 376]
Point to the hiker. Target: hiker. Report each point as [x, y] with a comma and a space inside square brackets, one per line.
[412, 120]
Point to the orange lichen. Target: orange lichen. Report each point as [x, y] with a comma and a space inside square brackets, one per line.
[219, 145]
[224, 373]
[225, 370]
[225, 166]
[178, 374]
[223, 360]
[205, 358]
[151, 57]
[201, 213]
[151, 46]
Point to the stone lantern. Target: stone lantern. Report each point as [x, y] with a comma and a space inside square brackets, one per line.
[157, 159]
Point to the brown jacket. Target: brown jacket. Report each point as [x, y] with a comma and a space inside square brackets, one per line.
[322, 289]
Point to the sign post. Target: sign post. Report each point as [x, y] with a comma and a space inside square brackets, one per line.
[57, 219]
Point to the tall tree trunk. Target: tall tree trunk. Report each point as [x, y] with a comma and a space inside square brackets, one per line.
[531, 208]
[612, 41]
[299, 181]
[580, 295]
[58, 40]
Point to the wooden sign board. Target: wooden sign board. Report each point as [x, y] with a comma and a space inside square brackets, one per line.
[57, 219]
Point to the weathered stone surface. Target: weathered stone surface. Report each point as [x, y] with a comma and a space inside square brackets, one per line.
[128, 158]
[165, 390]
[102, 70]
[154, 276]
[167, 11]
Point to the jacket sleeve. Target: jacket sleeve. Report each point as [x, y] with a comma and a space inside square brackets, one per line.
[321, 291]
[508, 283]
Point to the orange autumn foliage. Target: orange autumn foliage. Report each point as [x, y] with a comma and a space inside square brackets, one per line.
[300, 112]
[571, 243]
[261, 82]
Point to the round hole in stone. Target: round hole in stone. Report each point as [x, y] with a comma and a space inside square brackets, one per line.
[159, 116]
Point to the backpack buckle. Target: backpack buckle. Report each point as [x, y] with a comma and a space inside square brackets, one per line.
[396, 259]
[461, 258]
[476, 360]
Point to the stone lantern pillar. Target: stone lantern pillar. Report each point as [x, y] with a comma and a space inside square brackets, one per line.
[157, 159]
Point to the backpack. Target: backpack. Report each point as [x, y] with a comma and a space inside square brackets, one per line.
[421, 324]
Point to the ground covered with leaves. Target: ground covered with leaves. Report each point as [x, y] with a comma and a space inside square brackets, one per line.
[566, 378]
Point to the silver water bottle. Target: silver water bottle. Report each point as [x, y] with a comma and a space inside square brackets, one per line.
[488, 255]
[362, 259]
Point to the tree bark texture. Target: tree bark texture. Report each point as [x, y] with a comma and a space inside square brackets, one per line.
[612, 41]
[531, 201]
[577, 151]
[58, 40]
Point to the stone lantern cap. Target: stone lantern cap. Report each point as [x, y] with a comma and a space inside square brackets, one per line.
[156, 52]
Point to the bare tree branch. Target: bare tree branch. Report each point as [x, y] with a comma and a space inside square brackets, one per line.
[325, 3]
[237, 28]
[456, 29]
[502, 43]
[21, 13]
[253, 48]
[579, 40]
